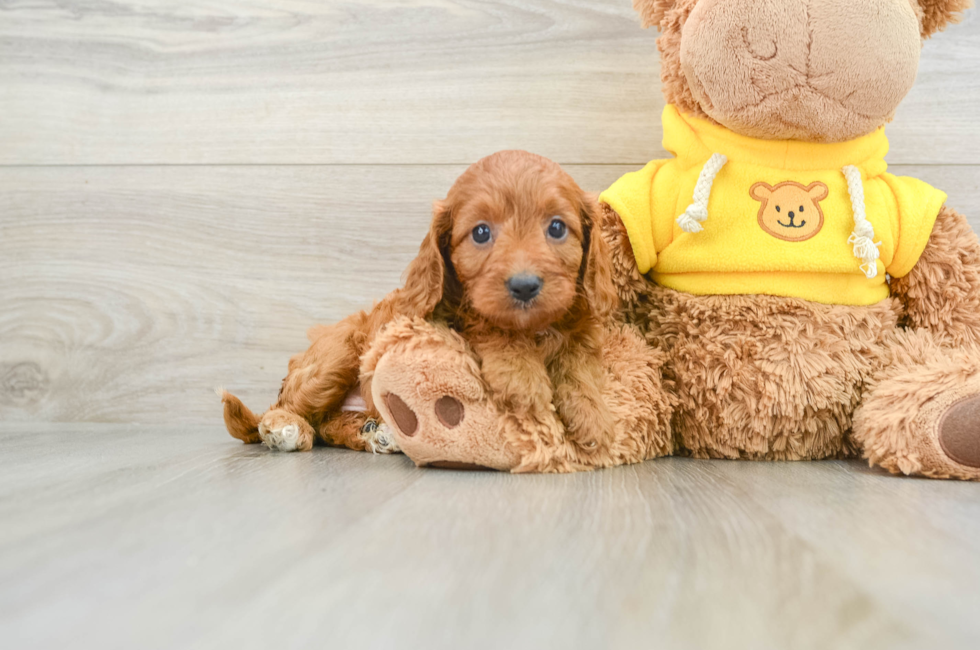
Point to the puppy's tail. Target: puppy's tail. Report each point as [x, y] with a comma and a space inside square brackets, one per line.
[241, 422]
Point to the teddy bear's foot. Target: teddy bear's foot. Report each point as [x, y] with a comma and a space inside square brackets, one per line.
[285, 431]
[426, 385]
[959, 430]
[926, 420]
[947, 431]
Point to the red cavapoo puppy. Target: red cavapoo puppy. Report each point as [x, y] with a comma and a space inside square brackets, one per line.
[512, 264]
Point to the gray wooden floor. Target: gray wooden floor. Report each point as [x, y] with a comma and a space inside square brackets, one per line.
[185, 187]
[125, 536]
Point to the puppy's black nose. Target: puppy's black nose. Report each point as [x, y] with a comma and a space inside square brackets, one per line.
[524, 287]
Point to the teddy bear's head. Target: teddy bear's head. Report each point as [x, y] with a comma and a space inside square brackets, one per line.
[816, 70]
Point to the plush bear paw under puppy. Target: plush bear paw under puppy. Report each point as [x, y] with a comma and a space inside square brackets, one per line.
[427, 383]
[806, 303]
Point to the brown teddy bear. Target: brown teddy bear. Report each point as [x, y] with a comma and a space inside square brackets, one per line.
[807, 303]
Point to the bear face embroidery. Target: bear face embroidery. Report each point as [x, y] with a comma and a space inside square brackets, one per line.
[790, 211]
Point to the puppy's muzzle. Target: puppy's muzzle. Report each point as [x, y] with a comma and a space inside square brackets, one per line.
[524, 287]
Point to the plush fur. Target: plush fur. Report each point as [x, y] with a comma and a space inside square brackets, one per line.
[794, 69]
[770, 378]
[424, 362]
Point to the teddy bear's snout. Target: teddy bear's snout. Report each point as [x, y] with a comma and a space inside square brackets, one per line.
[801, 70]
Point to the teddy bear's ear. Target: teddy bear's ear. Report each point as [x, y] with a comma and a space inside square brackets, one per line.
[652, 11]
[937, 14]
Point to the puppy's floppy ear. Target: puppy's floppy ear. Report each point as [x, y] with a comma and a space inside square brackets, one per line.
[652, 12]
[430, 278]
[596, 271]
[938, 14]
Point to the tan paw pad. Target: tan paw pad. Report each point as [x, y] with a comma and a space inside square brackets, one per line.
[450, 411]
[959, 431]
[404, 417]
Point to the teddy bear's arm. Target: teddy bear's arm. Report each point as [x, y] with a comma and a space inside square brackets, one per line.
[630, 285]
[942, 292]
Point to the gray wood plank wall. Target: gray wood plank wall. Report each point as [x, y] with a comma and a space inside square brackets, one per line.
[185, 187]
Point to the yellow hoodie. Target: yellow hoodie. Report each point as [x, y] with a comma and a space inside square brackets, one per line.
[736, 215]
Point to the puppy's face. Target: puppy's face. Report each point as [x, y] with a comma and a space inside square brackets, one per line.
[518, 241]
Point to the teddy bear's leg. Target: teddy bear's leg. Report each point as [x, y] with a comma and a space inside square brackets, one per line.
[426, 384]
[942, 292]
[921, 414]
[640, 401]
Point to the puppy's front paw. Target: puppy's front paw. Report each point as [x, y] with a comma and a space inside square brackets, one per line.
[378, 437]
[284, 431]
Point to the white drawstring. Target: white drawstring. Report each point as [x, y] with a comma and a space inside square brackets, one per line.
[862, 238]
[697, 212]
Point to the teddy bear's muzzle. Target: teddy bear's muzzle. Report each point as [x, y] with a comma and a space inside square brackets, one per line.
[825, 71]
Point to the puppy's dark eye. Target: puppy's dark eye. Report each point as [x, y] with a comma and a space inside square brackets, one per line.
[557, 229]
[801, 208]
[481, 234]
[777, 209]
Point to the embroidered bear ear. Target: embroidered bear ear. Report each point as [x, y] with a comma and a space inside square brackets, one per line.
[938, 14]
[817, 191]
[652, 12]
[761, 191]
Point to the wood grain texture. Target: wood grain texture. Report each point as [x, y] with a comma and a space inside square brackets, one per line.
[376, 81]
[119, 536]
[130, 292]
[185, 187]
